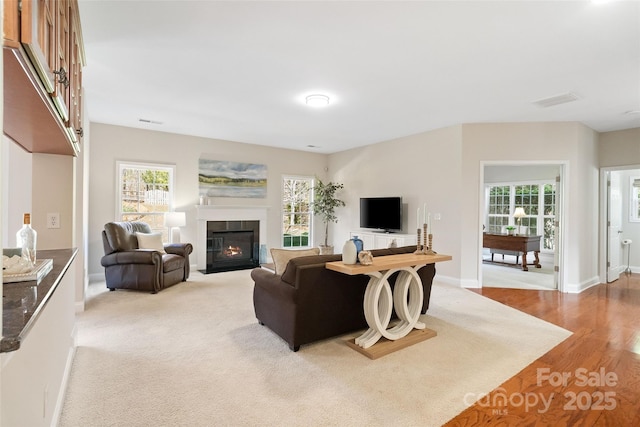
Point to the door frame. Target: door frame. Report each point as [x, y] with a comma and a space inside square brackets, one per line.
[604, 216]
[561, 191]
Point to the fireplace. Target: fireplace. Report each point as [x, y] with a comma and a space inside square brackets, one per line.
[228, 214]
[232, 245]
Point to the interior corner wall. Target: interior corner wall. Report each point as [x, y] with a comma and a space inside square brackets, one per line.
[111, 143]
[53, 192]
[17, 166]
[557, 142]
[422, 168]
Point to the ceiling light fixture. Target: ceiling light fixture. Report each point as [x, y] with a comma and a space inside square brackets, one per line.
[317, 100]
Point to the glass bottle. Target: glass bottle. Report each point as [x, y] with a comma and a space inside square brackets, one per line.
[26, 239]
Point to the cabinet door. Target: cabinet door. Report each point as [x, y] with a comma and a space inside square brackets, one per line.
[77, 62]
[60, 94]
[11, 23]
[39, 38]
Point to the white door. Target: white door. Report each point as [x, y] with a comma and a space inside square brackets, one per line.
[614, 224]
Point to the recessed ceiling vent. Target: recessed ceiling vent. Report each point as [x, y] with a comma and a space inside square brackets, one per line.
[153, 122]
[556, 100]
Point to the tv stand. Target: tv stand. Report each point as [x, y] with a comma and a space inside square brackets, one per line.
[383, 239]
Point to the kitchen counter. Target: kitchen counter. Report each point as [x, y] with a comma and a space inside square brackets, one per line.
[23, 302]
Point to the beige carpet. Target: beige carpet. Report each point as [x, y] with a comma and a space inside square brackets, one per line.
[194, 355]
[512, 276]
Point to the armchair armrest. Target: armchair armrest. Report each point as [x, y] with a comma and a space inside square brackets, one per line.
[139, 256]
[182, 249]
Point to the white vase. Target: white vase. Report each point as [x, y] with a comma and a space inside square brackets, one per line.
[349, 252]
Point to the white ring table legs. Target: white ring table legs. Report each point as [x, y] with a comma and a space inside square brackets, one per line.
[378, 304]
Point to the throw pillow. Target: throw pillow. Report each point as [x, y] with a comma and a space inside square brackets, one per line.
[150, 241]
[282, 256]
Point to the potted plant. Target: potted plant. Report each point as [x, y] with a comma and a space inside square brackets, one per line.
[510, 230]
[324, 204]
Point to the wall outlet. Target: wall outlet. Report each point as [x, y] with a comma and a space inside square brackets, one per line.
[437, 217]
[53, 220]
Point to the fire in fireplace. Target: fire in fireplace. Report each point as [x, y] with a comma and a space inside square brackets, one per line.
[232, 245]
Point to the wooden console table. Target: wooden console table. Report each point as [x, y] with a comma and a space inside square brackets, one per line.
[518, 243]
[378, 301]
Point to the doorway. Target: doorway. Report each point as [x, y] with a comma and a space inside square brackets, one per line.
[544, 183]
[621, 225]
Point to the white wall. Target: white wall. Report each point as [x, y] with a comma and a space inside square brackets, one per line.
[111, 143]
[519, 173]
[16, 189]
[53, 192]
[423, 168]
[568, 142]
[442, 168]
[619, 148]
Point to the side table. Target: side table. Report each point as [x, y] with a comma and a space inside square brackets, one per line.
[379, 301]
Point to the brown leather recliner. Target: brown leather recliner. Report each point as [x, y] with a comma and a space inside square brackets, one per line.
[128, 267]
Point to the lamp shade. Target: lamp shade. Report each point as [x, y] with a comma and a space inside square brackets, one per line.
[519, 213]
[175, 219]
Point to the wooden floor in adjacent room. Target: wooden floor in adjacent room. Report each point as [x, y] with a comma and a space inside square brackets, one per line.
[590, 379]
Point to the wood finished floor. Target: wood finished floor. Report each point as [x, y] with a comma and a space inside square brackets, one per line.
[605, 321]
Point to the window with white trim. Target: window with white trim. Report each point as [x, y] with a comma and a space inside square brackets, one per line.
[145, 193]
[297, 195]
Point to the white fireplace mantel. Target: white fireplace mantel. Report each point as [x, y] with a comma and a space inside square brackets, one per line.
[206, 213]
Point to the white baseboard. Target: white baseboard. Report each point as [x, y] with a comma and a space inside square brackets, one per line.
[576, 288]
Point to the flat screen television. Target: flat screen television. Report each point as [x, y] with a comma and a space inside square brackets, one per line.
[381, 213]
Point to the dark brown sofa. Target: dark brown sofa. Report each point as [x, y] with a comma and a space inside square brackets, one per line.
[310, 303]
[128, 267]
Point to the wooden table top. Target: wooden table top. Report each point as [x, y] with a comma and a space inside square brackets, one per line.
[387, 262]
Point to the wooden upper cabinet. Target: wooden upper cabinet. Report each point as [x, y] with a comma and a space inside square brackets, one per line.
[44, 39]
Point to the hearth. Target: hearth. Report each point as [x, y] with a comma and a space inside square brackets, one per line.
[232, 245]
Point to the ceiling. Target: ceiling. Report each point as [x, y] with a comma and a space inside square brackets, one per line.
[239, 70]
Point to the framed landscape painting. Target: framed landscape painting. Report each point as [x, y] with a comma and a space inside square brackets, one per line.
[218, 178]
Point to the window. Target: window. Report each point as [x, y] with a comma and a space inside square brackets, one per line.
[145, 193]
[634, 203]
[499, 208]
[526, 196]
[503, 200]
[297, 195]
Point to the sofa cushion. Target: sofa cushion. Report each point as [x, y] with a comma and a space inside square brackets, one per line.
[282, 256]
[150, 241]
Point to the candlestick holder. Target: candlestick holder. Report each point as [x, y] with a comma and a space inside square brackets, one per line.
[425, 246]
[430, 250]
[418, 250]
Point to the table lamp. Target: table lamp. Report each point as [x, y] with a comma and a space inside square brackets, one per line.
[519, 214]
[173, 221]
